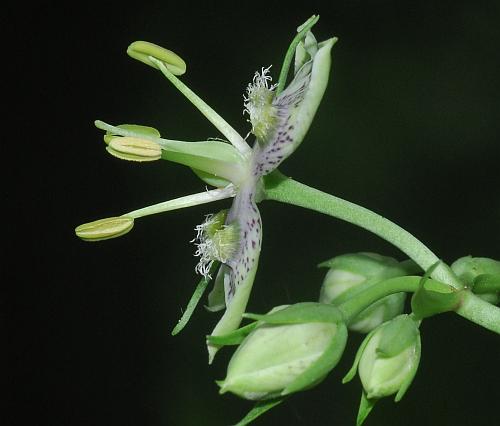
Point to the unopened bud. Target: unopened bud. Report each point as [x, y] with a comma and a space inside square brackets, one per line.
[279, 359]
[134, 149]
[104, 229]
[479, 273]
[390, 358]
[350, 274]
[142, 50]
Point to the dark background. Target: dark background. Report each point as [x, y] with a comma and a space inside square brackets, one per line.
[408, 127]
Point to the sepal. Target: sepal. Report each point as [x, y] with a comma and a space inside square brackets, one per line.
[365, 407]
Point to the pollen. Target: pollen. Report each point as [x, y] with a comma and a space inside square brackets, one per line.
[258, 104]
[215, 241]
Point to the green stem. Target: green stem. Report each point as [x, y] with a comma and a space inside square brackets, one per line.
[280, 188]
[480, 312]
[352, 307]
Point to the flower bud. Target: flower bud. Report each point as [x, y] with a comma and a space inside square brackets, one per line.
[282, 358]
[475, 272]
[104, 229]
[389, 357]
[134, 149]
[349, 274]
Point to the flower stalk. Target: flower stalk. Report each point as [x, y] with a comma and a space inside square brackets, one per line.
[281, 188]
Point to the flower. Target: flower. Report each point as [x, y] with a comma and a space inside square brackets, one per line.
[280, 117]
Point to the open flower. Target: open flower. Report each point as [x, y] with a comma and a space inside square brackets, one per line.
[280, 117]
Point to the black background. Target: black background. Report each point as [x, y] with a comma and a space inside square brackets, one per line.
[409, 127]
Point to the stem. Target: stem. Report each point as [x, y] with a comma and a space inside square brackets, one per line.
[352, 307]
[280, 188]
[480, 312]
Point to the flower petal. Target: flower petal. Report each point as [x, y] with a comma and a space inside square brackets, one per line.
[239, 271]
[296, 107]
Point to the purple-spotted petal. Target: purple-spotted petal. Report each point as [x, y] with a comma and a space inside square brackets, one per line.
[238, 272]
[295, 108]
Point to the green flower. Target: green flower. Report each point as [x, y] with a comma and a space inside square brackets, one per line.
[280, 117]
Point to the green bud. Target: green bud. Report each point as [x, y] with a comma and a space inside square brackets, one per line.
[142, 50]
[481, 274]
[389, 358]
[134, 149]
[379, 312]
[104, 229]
[279, 359]
[350, 274]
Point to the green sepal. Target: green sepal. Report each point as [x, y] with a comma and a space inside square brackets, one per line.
[397, 335]
[434, 297]
[323, 365]
[365, 407]
[486, 283]
[193, 302]
[411, 374]
[352, 372]
[258, 409]
[301, 313]
[135, 130]
[233, 338]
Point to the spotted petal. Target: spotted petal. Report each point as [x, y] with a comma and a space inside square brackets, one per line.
[238, 273]
[296, 106]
